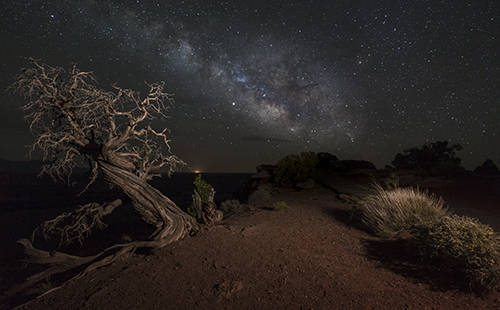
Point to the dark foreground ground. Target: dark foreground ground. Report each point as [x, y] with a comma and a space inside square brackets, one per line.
[312, 256]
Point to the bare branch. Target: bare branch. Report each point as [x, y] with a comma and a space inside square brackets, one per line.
[71, 118]
[76, 225]
[75, 123]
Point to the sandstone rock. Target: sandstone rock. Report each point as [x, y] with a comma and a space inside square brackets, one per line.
[263, 172]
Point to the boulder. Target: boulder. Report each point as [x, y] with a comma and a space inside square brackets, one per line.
[263, 172]
[488, 167]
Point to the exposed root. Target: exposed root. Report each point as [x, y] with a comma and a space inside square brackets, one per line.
[60, 262]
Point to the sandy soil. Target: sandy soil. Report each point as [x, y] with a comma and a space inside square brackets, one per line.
[312, 256]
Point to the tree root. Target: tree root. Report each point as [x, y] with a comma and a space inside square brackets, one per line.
[61, 262]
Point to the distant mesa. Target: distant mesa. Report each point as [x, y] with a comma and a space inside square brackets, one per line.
[488, 167]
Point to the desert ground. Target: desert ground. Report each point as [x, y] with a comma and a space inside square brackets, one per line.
[312, 256]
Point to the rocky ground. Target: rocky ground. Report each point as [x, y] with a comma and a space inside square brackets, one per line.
[313, 256]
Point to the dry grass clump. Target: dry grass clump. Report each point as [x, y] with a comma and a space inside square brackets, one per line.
[462, 244]
[458, 244]
[387, 212]
[281, 205]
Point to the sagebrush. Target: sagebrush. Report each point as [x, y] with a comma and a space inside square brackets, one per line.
[462, 244]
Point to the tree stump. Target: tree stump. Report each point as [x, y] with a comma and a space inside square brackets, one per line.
[206, 211]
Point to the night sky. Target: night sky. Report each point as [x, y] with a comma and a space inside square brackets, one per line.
[257, 80]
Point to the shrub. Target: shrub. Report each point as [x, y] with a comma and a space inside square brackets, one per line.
[202, 188]
[191, 210]
[436, 158]
[280, 206]
[260, 196]
[230, 206]
[295, 169]
[387, 212]
[45, 287]
[462, 244]
[392, 181]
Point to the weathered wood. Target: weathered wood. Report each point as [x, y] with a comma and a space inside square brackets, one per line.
[105, 129]
[206, 212]
[154, 208]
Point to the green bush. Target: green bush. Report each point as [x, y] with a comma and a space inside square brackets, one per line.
[462, 244]
[278, 206]
[295, 169]
[202, 188]
[387, 212]
[191, 210]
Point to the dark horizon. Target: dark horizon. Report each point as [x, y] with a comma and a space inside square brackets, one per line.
[35, 163]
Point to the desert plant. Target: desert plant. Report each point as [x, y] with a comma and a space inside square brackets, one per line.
[203, 188]
[203, 202]
[191, 210]
[260, 196]
[281, 205]
[389, 211]
[230, 206]
[46, 286]
[436, 158]
[462, 244]
[295, 169]
[392, 181]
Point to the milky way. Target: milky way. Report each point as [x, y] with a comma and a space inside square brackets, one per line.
[254, 82]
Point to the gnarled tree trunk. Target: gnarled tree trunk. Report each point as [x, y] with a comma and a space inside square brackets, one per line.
[72, 118]
[154, 208]
[206, 212]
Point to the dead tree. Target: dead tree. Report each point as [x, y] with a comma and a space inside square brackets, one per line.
[206, 211]
[75, 122]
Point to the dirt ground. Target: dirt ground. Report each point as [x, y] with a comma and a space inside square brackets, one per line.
[312, 256]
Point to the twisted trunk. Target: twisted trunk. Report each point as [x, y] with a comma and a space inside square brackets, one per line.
[154, 208]
[170, 221]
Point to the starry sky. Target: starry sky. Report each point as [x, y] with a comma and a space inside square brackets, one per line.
[257, 80]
